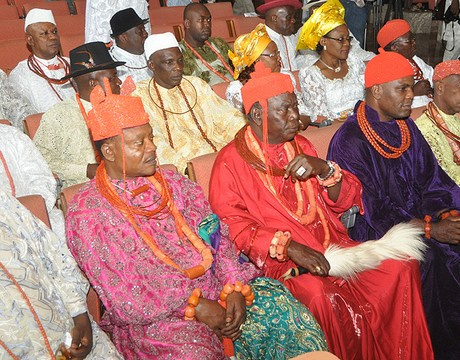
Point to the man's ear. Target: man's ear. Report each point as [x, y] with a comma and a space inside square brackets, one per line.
[30, 40]
[439, 87]
[256, 114]
[187, 23]
[121, 39]
[151, 65]
[92, 84]
[377, 91]
[394, 47]
[107, 150]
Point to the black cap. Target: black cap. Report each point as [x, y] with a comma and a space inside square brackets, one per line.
[90, 57]
[124, 20]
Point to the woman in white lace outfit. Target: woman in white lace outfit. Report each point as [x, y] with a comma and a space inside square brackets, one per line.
[249, 49]
[335, 82]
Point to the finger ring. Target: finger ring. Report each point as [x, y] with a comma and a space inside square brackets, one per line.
[318, 269]
[301, 170]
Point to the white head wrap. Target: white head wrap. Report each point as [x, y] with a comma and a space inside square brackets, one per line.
[39, 16]
[158, 42]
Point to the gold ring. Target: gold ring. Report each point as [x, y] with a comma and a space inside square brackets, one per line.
[318, 269]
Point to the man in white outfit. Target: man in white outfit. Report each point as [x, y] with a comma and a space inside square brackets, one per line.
[99, 13]
[128, 31]
[24, 171]
[451, 33]
[37, 262]
[38, 78]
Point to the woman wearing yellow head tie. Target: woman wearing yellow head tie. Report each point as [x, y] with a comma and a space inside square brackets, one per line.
[335, 82]
[247, 50]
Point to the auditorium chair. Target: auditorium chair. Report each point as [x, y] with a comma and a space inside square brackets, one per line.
[244, 25]
[31, 124]
[321, 137]
[12, 30]
[11, 52]
[220, 89]
[199, 170]
[8, 12]
[57, 7]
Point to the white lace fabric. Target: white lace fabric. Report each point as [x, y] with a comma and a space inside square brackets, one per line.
[330, 98]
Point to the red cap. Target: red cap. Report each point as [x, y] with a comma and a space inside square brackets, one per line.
[256, 89]
[392, 30]
[385, 67]
[445, 69]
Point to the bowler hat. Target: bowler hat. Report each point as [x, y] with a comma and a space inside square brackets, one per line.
[90, 57]
[124, 20]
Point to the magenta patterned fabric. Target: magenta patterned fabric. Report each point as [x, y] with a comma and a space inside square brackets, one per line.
[145, 298]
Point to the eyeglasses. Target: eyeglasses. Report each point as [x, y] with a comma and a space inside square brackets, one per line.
[271, 55]
[341, 39]
[409, 40]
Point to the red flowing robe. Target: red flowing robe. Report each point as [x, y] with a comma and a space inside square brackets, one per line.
[378, 315]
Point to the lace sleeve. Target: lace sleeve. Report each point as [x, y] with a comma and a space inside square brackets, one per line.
[14, 107]
[298, 94]
[233, 94]
[313, 93]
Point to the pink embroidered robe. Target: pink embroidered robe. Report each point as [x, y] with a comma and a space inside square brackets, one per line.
[145, 298]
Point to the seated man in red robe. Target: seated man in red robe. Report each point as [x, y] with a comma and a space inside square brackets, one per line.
[282, 204]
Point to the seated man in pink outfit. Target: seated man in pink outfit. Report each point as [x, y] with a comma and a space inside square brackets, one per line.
[272, 190]
[154, 252]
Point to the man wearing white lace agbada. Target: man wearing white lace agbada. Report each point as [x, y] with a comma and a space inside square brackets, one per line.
[38, 78]
[99, 13]
[33, 259]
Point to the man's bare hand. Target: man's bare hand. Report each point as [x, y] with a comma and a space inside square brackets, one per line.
[310, 259]
[447, 230]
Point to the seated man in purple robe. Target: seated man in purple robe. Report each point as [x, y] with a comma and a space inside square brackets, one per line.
[154, 252]
[402, 182]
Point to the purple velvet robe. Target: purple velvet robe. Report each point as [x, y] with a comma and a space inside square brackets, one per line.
[398, 190]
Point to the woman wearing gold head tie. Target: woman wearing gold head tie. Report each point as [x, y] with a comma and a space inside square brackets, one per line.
[249, 49]
[335, 82]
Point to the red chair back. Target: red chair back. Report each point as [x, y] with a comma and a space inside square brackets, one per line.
[12, 30]
[31, 124]
[199, 170]
[220, 89]
[8, 12]
[37, 206]
[321, 137]
[11, 52]
[57, 7]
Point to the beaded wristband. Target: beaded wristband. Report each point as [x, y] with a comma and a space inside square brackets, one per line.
[330, 173]
[193, 302]
[450, 213]
[279, 245]
[245, 290]
[332, 180]
[427, 220]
